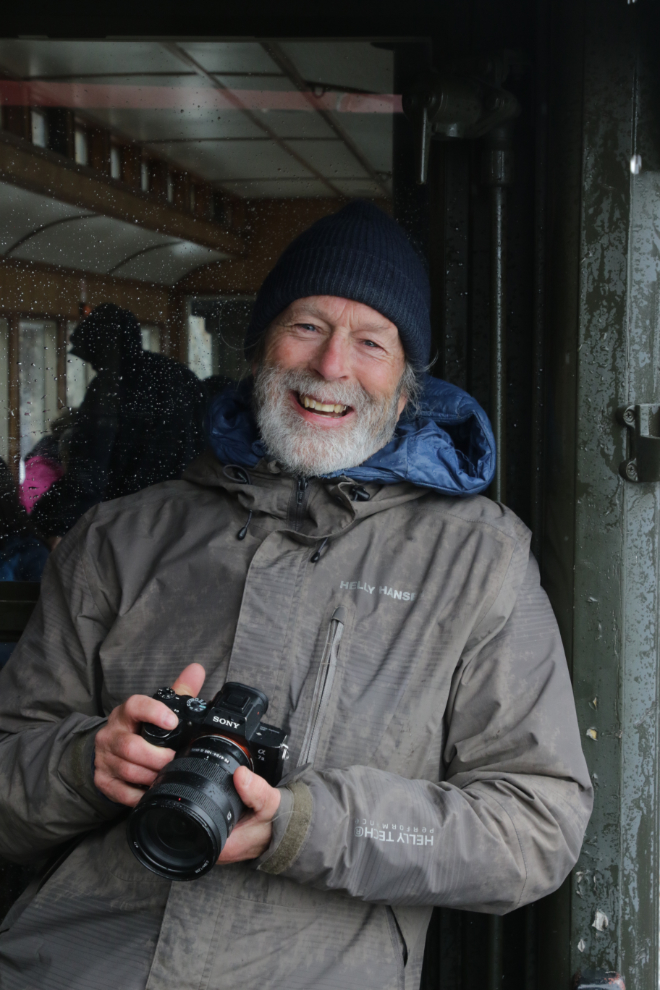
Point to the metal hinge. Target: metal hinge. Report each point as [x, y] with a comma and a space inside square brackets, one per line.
[643, 424]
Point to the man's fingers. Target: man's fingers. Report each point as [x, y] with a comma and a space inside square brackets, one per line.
[123, 758]
[139, 708]
[128, 773]
[134, 749]
[190, 680]
[117, 790]
[256, 794]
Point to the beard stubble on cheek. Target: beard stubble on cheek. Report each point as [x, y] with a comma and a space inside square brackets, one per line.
[310, 449]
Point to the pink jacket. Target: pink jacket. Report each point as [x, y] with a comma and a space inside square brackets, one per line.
[40, 474]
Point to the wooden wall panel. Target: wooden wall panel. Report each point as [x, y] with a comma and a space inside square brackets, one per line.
[39, 290]
[181, 191]
[267, 226]
[98, 144]
[17, 121]
[131, 164]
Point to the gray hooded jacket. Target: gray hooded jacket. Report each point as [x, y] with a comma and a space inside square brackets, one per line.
[417, 666]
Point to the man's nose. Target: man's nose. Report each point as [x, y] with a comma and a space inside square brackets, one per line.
[331, 360]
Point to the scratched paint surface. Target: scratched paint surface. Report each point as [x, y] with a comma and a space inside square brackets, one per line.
[614, 899]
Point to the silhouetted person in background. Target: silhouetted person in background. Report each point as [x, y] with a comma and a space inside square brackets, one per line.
[139, 423]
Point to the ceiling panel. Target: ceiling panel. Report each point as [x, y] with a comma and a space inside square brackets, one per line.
[179, 79]
[349, 63]
[255, 160]
[332, 158]
[159, 125]
[168, 262]
[297, 124]
[278, 189]
[106, 246]
[93, 244]
[230, 56]
[65, 58]
[223, 146]
[208, 158]
[275, 82]
[23, 212]
[372, 133]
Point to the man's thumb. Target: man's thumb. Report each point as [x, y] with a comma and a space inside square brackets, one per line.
[256, 793]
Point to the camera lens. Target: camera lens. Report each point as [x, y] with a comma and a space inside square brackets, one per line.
[181, 824]
[173, 838]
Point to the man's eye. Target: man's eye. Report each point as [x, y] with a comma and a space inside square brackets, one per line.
[307, 326]
[371, 343]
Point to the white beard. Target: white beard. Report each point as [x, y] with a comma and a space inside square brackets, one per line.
[309, 449]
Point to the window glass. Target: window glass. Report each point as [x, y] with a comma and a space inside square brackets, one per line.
[152, 187]
[39, 129]
[81, 146]
[37, 382]
[78, 374]
[200, 350]
[115, 162]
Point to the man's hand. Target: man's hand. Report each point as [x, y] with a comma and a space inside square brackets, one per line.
[251, 837]
[125, 763]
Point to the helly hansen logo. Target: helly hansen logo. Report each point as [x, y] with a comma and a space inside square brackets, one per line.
[404, 596]
[393, 833]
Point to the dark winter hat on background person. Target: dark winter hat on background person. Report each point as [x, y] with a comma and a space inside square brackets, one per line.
[107, 331]
[361, 254]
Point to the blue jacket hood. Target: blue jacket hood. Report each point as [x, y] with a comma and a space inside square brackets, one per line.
[447, 443]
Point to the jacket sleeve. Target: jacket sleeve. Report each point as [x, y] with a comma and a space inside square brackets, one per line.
[50, 711]
[505, 825]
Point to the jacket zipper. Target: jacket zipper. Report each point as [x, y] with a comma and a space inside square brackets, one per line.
[323, 686]
[301, 498]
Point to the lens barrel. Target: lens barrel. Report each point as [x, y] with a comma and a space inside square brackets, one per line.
[181, 824]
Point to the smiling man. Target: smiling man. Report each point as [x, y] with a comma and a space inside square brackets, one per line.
[331, 386]
[333, 551]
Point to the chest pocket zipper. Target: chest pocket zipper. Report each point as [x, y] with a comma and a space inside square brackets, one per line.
[323, 687]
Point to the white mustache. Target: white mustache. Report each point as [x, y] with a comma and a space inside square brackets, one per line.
[341, 393]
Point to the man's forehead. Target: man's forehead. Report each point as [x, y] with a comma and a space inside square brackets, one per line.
[332, 308]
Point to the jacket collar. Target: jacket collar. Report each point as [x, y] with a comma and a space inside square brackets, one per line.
[330, 508]
[446, 444]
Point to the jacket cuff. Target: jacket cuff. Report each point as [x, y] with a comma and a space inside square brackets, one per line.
[76, 769]
[290, 828]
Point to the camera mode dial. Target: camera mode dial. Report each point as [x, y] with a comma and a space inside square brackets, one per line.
[196, 704]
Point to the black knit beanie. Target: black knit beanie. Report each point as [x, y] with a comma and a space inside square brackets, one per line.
[358, 253]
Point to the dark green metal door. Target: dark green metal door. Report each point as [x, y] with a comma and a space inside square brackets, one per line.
[601, 561]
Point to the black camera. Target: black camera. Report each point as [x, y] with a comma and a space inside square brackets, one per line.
[181, 824]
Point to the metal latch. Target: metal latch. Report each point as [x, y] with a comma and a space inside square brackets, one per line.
[643, 424]
[466, 101]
